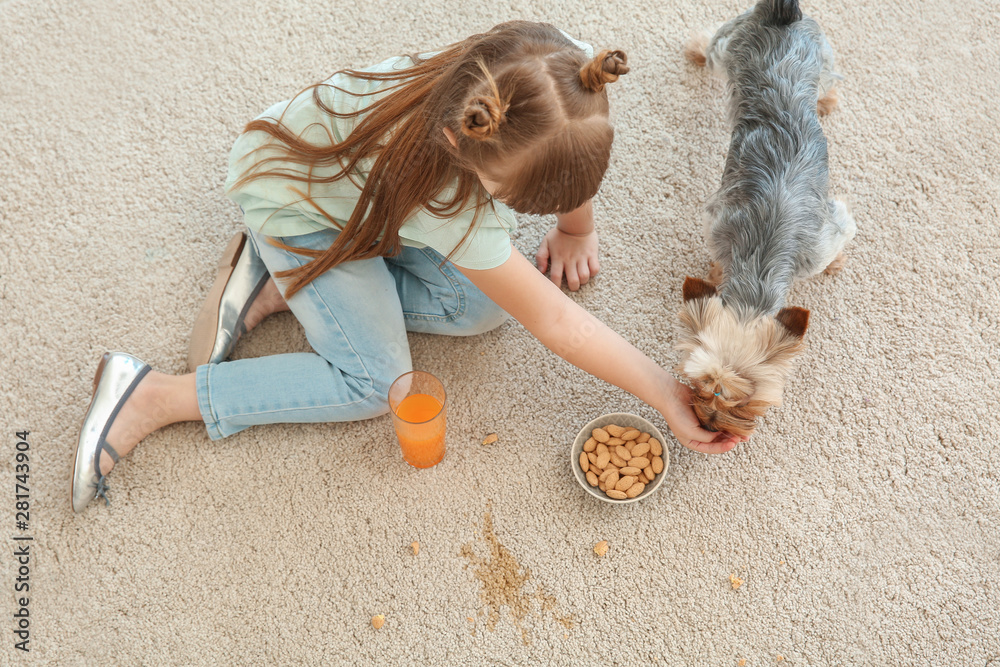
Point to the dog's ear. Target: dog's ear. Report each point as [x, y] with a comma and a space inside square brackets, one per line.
[796, 320]
[696, 288]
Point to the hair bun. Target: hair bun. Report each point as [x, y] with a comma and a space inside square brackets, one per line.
[606, 67]
[482, 117]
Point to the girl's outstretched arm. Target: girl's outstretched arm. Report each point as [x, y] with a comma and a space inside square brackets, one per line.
[581, 339]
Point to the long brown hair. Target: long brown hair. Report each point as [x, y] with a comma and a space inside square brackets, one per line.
[527, 107]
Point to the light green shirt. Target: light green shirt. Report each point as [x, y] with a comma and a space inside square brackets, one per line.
[276, 206]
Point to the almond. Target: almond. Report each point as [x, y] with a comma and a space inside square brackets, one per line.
[630, 434]
[640, 449]
[630, 470]
[635, 489]
[618, 461]
[592, 457]
[655, 447]
[642, 478]
[630, 446]
[623, 453]
[601, 449]
[602, 486]
[648, 472]
[607, 471]
[377, 621]
[594, 469]
[600, 435]
[590, 445]
[625, 483]
[638, 462]
[602, 460]
[591, 479]
[490, 439]
[584, 461]
[614, 430]
[616, 494]
[657, 465]
[614, 442]
[643, 437]
[611, 479]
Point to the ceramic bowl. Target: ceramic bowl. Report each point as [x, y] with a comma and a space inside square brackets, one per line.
[625, 420]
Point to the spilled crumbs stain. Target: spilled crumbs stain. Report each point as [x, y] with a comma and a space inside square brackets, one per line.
[505, 584]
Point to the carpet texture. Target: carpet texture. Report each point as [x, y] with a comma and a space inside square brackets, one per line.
[862, 518]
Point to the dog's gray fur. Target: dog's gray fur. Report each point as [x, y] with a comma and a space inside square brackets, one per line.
[772, 221]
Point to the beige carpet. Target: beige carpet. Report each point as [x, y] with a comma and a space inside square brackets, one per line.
[863, 518]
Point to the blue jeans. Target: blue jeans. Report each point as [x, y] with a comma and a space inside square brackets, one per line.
[355, 317]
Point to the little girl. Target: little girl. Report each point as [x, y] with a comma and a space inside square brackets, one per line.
[383, 202]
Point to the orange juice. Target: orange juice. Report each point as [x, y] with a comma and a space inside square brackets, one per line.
[420, 428]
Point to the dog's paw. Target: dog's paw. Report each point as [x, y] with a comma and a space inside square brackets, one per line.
[836, 265]
[827, 103]
[696, 48]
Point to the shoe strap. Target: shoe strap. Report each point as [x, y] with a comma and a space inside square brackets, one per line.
[102, 441]
[110, 450]
[241, 324]
[102, 490]
[97, 457]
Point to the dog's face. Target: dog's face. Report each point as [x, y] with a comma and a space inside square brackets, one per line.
[737, 369]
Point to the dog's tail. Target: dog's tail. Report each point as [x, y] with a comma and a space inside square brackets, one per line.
[779, 12]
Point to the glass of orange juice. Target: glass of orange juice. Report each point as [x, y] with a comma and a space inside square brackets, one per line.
[417, 402]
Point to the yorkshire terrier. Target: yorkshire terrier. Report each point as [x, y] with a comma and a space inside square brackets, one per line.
[772, 220]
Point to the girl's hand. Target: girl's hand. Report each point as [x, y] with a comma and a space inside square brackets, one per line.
[570, 254]
[684, 424]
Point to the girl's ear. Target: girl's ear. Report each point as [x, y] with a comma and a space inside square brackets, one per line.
[451, 137]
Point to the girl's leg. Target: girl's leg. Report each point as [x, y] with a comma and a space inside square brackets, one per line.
[353, 320]
[355, 316]
[437, 298]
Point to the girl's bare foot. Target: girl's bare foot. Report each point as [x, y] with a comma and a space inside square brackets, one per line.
[158, 400]
[268, 301]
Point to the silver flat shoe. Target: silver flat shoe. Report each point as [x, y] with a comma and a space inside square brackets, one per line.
[220, 323]
[117, 376]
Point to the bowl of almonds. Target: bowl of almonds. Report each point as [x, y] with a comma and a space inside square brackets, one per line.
[619, 458]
